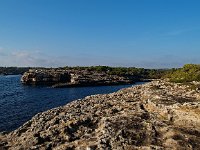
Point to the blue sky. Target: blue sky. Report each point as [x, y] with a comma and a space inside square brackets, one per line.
[140, 33]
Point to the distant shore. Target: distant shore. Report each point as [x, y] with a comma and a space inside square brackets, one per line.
[61, 78]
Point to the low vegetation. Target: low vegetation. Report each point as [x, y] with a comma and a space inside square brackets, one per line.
[126, 71]
[189, 72]
[13, 70]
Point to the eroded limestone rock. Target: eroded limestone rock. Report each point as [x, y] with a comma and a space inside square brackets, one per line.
[157, 115]
[69, 78]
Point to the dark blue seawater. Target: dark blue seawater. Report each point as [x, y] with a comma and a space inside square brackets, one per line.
[19, 103]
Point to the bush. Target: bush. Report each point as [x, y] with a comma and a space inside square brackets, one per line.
[189, 72]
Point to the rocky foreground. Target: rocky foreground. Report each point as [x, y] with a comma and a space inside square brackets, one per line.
[157, 115]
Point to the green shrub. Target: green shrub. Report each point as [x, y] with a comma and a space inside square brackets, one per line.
[189, 72]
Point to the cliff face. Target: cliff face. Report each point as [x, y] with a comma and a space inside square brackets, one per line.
[157, 115]
[34, 76]
[67, 78]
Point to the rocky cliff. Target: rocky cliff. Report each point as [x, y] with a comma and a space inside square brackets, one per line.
[67, 78]
[157, 115]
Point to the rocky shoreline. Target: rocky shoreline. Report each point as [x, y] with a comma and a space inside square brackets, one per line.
[157, 115]
[73, 78]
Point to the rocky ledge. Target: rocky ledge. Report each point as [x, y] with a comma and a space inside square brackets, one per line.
[72, 78]
[157, 115]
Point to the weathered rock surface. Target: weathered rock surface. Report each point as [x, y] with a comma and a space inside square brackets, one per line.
[68, 78]
[157, 115]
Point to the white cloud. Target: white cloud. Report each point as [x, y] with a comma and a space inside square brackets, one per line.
[25, 58]
[40, 59]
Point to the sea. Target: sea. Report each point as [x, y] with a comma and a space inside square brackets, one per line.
[19, 103]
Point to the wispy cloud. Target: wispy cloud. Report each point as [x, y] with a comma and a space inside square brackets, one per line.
[39, 59]
[25, 58]
[180, 31]
[167, 61]
[2, 53]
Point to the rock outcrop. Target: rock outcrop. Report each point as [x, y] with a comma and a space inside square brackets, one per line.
[157, 115]
[68, 78]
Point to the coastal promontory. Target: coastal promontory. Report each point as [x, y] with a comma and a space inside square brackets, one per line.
[69, 78]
